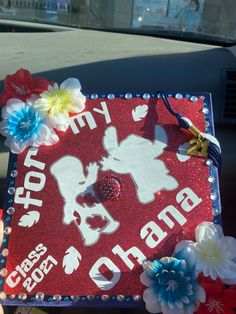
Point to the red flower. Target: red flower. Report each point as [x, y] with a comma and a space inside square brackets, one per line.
[21, 85]
[219, 299]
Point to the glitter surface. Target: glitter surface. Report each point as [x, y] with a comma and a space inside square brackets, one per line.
[131, 214]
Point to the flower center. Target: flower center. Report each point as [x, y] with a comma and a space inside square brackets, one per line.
[167, 259]
[20, 90]
[216, 306]
[25, 124]
[211, 253]
[59, 101]
[172, 285]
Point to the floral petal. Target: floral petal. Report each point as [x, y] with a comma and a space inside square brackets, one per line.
[191, 309]
[21, 79]
[229, 281]
[53, 139]
[76, 93]
[151, 301]
[219, 230]
[15, 102]
[207, 230]
[42, 104]
[23, 76]
[221, 270]
[13, 105]
[60, 122]
[145, 280]
[17, 147]
[230, 243]
[213, 273]
[203, 268]
[187, 254]
[39, 85]
[44, 132]
[71, 84]
[4, 97]
[183, 245]
[31, 100]
[176, 310]
[230, 272]
[46, 136]
[201, 293]
[78, 104]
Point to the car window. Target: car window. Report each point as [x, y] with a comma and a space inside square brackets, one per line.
[180, 18]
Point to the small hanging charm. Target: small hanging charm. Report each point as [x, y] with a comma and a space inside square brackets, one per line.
[199, 147]
[202, 145]
[199, 144]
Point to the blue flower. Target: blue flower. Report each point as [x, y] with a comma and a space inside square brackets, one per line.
[24, 123]
[24, 126]
[173, 288]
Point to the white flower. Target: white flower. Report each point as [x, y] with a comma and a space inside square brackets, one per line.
[58, 102]
[214, 253]
[24, 126]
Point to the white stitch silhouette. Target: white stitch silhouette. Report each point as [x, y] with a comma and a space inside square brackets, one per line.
[136, 156]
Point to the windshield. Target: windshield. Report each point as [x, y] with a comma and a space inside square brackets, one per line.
[192, 18]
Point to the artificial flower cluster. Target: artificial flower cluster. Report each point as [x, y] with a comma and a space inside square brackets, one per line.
[34, 108]
[193, 279]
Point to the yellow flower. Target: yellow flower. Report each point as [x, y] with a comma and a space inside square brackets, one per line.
[58, 102]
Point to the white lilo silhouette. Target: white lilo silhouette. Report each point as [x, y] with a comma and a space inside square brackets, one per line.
[69, 174]
[136, 156]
